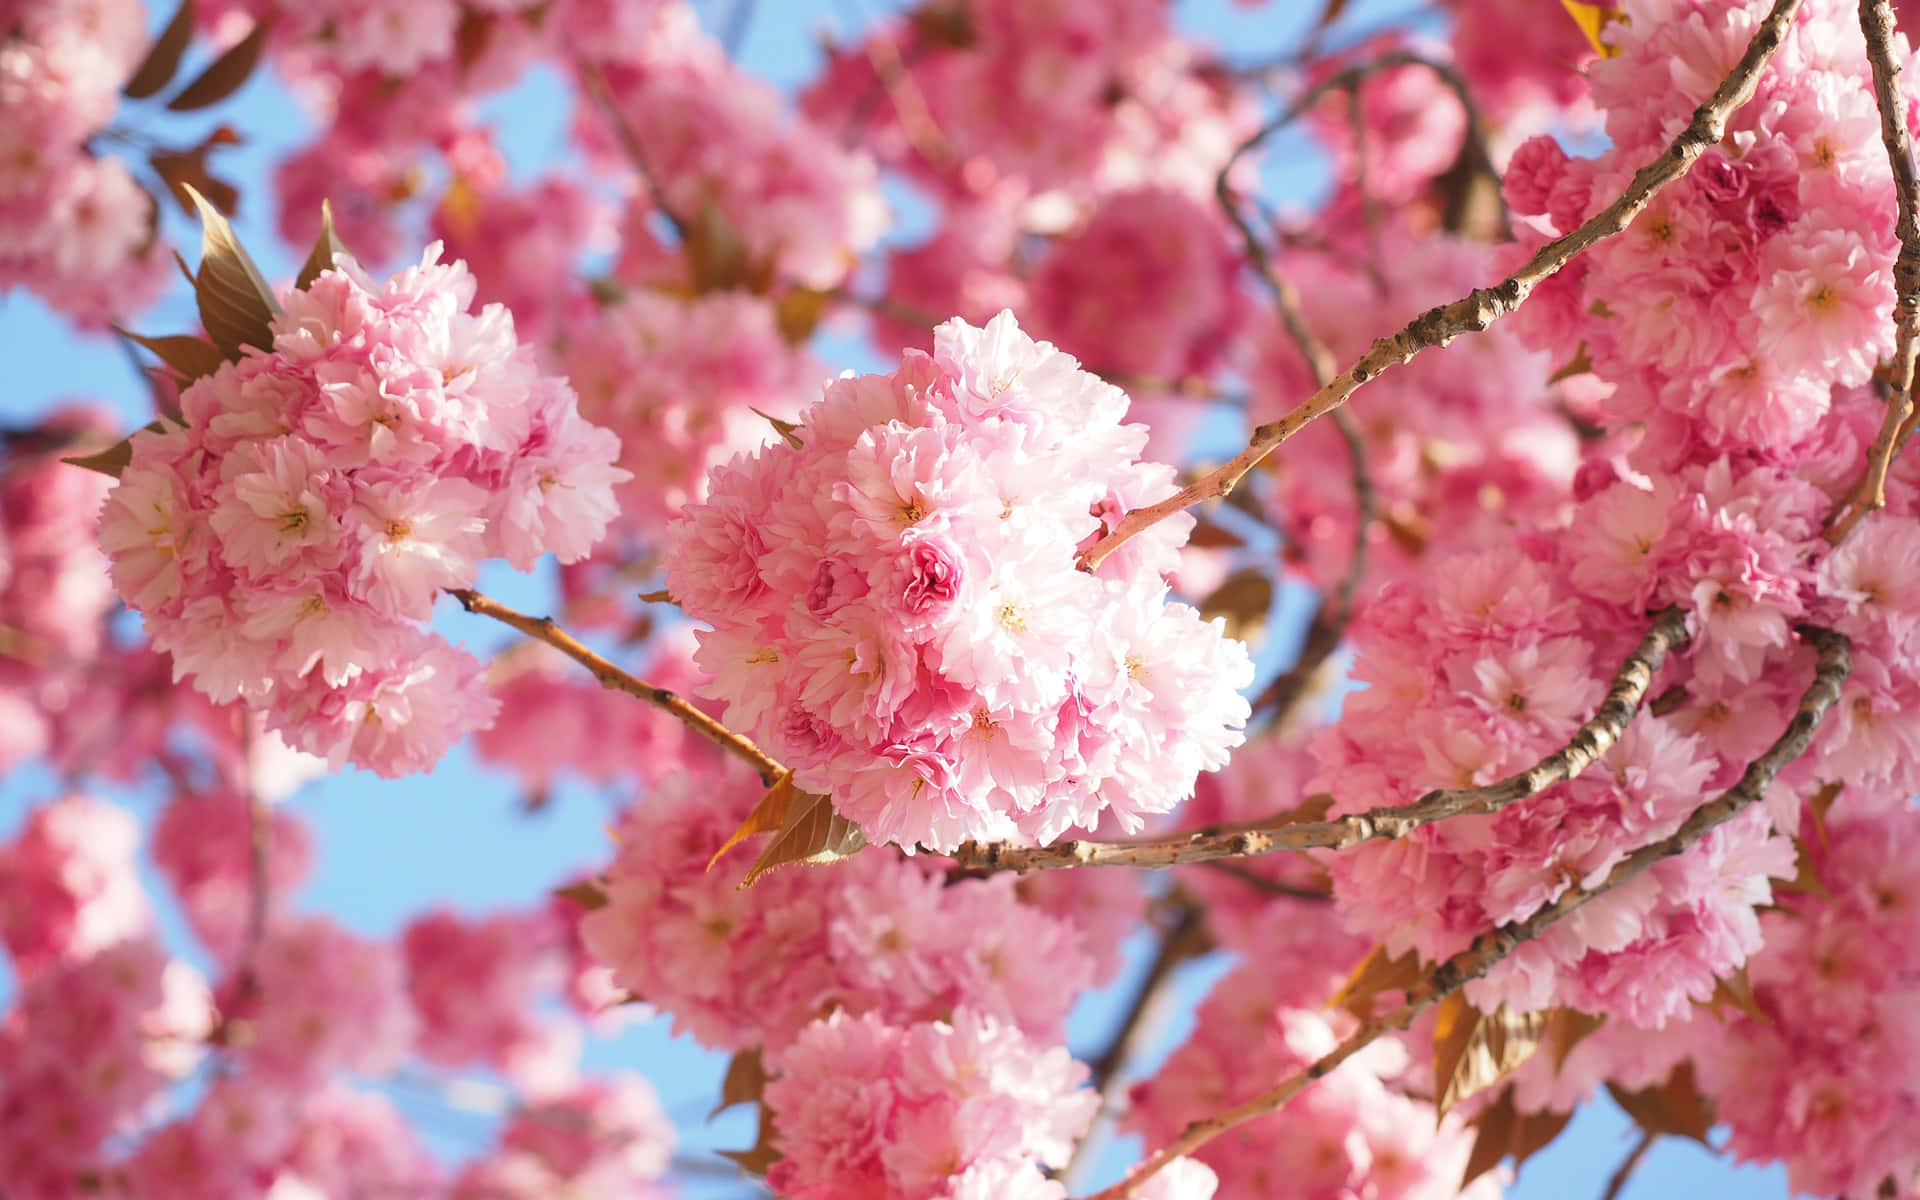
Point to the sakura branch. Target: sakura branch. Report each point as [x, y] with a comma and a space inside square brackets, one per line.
[1589, 742]
[1833, 665]
[1483, 306]
[545, 629]
[1870, 494]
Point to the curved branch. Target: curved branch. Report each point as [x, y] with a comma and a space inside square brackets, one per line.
[544, 629]
[1495, 945]
[1483, 306]
[1589, 742]
[1870, 494]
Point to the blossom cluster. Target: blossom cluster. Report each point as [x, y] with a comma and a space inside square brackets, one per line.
[76, 229]
[1362, 1131]
[898, 616]
[750, 969]
[284, 544]
[959, 1110]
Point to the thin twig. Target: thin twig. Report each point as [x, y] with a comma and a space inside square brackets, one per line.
[1870, 494]
[1628, 1166]
[544, 629]
[1186, 939]
[1483, 306]
[594, 80]
[1492, 947]
[1589, 742]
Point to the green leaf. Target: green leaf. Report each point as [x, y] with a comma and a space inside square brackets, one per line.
[224, 75]
[326, 249]
[190, 358]
[236, 305]
[813, 833]
[163, 57]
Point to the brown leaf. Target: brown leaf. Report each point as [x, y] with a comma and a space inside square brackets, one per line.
[799, 313]
[1820, 804]
[114, 459]
[185, 172]
[746, 1080]
[813, 833]
[236, 305]
[163, 57]
[588, 894]
[1378, 972]
[1244, 600]
[786, 429]
[1473, 1050]
[768, 815]
[716, 255]
[1209, 536]
[190, 357]
[1675, 1107]
[224, 75]
[1735, 991]
[1579, 364]
[1501, 1131]
[762, 1155]
[1592, 19]
[1565, 1029]
[1331, 13]
[326, 248]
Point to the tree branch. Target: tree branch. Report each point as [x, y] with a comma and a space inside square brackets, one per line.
[1870, 494]
[1185, 940]
[1483, 306]
[1589, 742]
[1495, 945]
[1628, 1165]
[544, 629]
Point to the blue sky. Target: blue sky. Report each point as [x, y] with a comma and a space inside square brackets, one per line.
[386, 851]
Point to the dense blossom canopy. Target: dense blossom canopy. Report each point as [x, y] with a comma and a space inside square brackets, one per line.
[1531, 709]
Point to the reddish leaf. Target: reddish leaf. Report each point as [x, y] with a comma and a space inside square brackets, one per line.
[746, 1080]
[1473, 1050]
[588, 894]
[1675, 1107]
[114, 459]
[326, 248]
[190, 358]
[163, 57]
[1593, 20]
[185, 172]
[224, 75]
[762, 1155]
[1378, 972]
[768, 815]
[813, 833]
[1244, 600]
[787, 430]
[236, 305]
[1501, 1131]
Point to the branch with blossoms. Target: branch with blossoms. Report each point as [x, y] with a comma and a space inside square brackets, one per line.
[1870, 494]
[546, 629]
[1832, 667]
[1483, 306]
[1286, 832]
